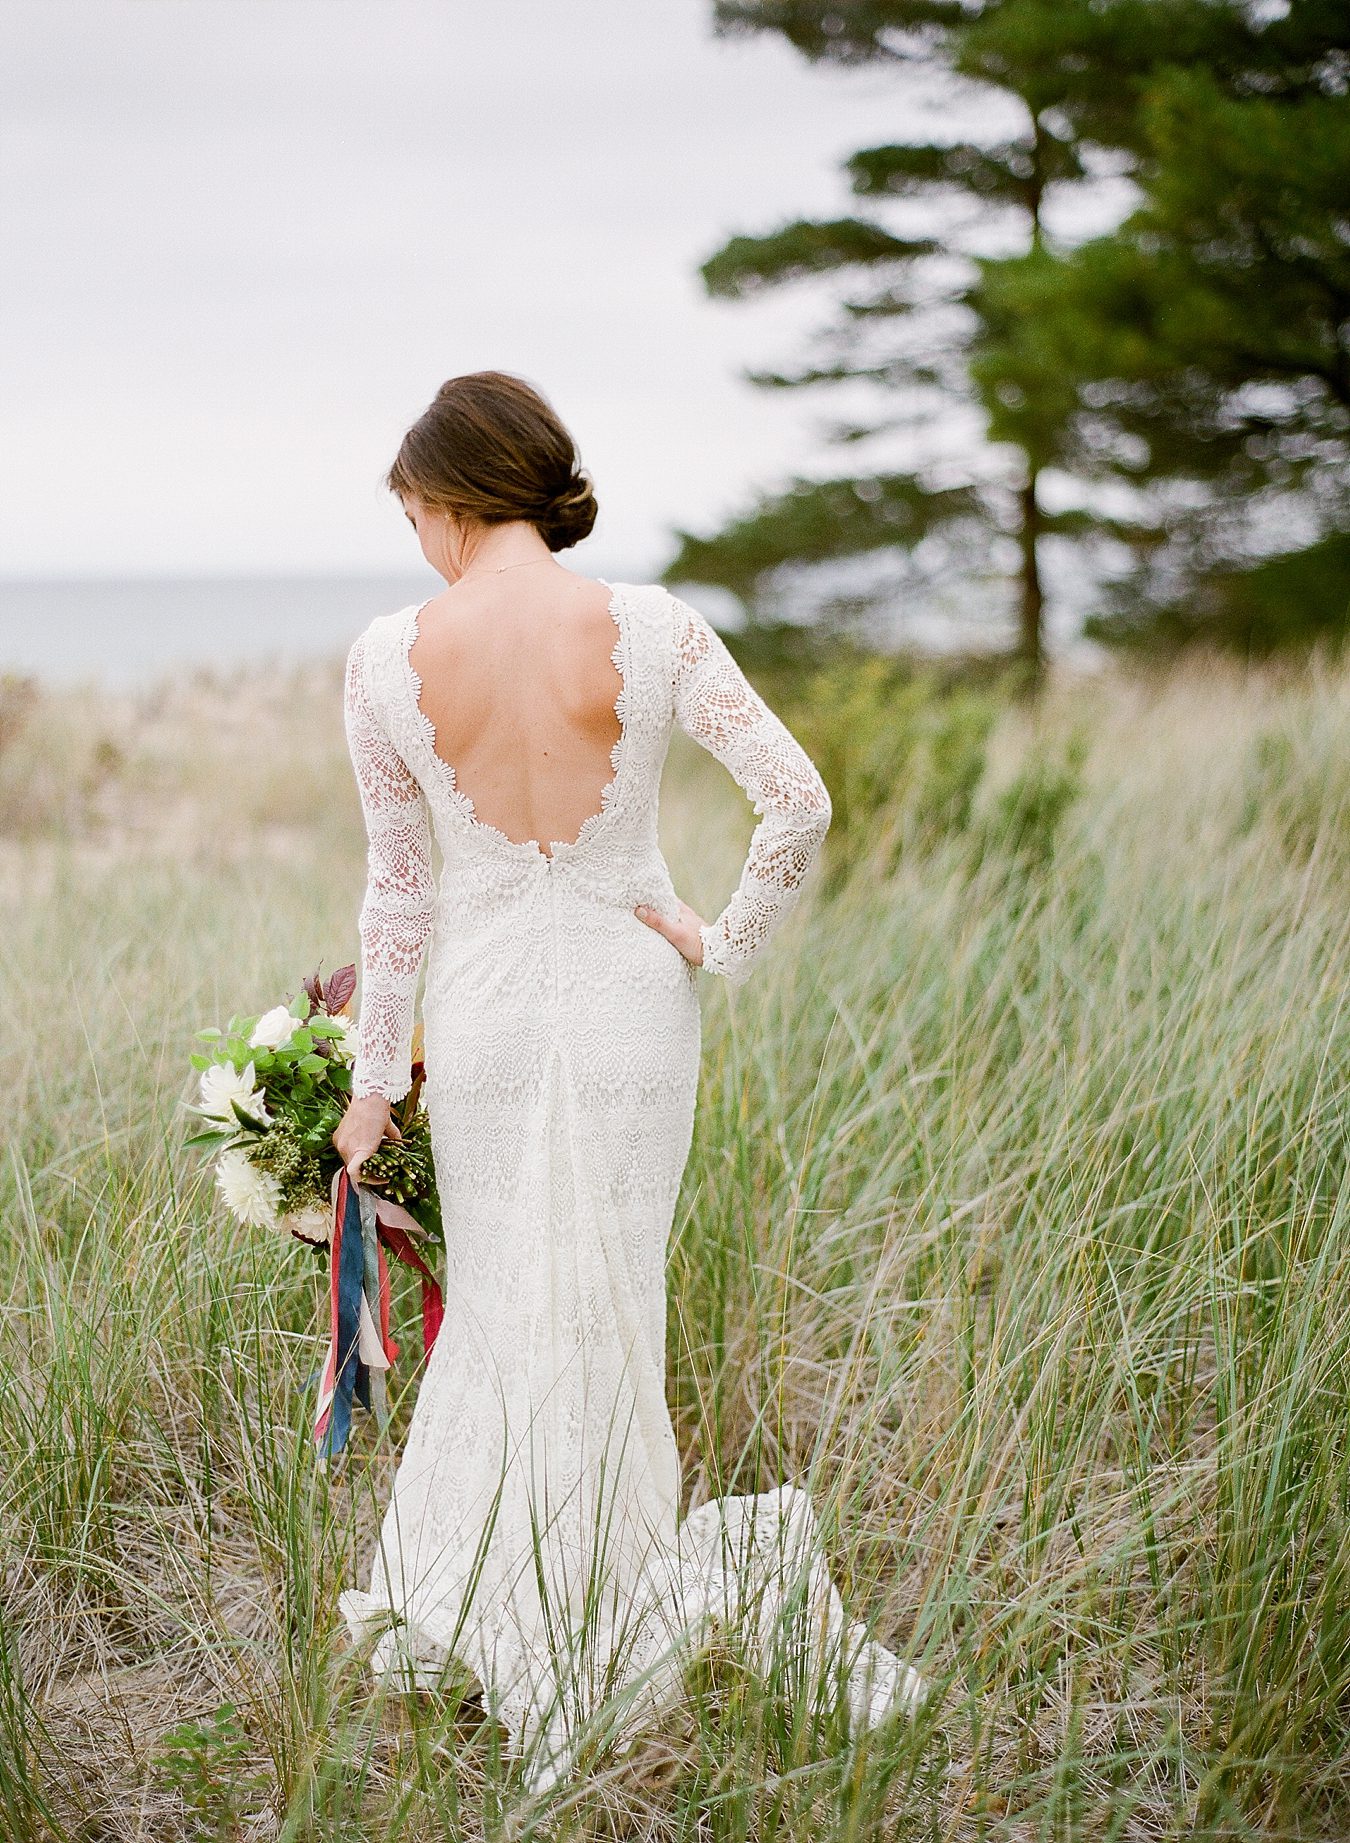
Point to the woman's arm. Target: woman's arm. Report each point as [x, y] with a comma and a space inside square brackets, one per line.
[717, 705]
[395, 920]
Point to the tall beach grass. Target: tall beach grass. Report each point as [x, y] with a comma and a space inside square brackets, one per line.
[1014, 1225]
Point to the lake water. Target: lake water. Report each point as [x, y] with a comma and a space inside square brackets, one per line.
[127, 633]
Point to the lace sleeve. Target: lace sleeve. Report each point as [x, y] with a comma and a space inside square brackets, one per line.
[396, 912]
[717, 706]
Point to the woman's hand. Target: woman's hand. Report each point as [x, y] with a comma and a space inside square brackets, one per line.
[683, 932]
[362, 1130]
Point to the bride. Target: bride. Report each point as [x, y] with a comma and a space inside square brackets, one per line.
[533, 1533]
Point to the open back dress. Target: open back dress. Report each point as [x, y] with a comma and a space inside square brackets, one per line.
[533, 1533]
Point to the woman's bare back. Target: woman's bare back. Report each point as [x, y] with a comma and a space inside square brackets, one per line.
[520, 685]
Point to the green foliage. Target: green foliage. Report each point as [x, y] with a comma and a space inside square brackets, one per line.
[207, 1764]
[1284, 604]
[897, 747]
[904, 751]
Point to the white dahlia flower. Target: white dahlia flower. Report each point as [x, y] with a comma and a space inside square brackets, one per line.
[222, 1084]
[249, 1194]
[311, 1223]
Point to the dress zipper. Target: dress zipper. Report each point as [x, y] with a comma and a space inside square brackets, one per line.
[553, 921]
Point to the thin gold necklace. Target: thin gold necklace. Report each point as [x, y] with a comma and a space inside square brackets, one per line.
[497, 570]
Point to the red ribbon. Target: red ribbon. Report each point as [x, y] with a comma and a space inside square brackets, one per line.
[395, 1225]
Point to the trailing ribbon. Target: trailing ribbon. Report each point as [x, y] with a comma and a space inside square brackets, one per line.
[360, 1346]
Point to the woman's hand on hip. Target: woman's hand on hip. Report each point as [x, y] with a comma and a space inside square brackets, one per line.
[683, 932]
[362, 1130]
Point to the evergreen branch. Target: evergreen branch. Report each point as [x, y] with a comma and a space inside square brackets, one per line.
[747, 265]
[813, 521]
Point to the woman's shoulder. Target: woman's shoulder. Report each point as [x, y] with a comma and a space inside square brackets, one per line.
[654, 600]
[379, 636]
[374, 657]
[678, 630]
[387, 627]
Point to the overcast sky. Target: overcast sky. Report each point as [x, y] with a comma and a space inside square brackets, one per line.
[246, 239]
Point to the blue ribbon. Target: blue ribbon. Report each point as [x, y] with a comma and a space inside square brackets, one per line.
[353, 1376]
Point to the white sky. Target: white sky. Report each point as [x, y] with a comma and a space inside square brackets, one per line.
[244, 241]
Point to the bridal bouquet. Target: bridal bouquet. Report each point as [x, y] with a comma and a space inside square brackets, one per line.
[273, 1088]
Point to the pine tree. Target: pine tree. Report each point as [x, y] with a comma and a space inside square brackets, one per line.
[936, 322]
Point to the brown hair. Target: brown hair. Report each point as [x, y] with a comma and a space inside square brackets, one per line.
[490, 448]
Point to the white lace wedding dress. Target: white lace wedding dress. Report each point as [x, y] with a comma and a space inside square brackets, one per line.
[533, 1533]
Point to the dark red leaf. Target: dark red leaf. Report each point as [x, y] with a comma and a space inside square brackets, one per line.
[314, 987]
[341, 985]
[409, 1105]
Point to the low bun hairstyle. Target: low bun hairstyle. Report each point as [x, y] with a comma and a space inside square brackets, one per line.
[491, 449]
